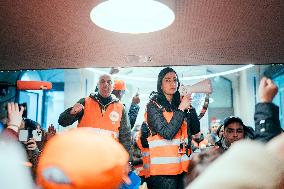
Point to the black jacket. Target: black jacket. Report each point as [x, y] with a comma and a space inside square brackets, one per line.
[159, 125]
[267, 124]
[132, 114]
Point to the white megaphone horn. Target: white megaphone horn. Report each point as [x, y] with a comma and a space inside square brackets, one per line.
[200, 87]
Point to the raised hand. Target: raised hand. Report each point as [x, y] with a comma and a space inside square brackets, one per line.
[76, 108]
[31, 144]
[267, 90]
[136, 99]
[15, 114]
[185, 102]
[50, 132]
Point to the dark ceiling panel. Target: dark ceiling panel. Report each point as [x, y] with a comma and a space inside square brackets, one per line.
[59, 34]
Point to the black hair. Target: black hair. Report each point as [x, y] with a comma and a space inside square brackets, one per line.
[233, 119]
[30, 124]
[159, 95]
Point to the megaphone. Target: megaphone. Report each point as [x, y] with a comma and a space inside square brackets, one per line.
[200, 95]
[204, 86]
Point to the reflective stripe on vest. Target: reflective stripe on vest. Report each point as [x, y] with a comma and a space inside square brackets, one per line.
[146, 165]
[163, 142]
[166, 160]
[166, 156]
[105, 132]
[145, 157]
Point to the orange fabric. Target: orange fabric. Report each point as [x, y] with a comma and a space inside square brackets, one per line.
[86, 159]
[119, 85]
[160, 151]
[169, 169]
[168, 151]
[96, 118]
[145, 169]
[34, 85]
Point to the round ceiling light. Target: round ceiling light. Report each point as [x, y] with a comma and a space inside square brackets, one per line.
[132, 16]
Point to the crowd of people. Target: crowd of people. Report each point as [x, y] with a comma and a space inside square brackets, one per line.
[167, 151]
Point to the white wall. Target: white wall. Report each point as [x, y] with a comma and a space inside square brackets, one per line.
[244, 94]
[78, 84]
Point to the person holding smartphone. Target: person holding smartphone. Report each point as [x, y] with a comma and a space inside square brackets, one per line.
[16, 124]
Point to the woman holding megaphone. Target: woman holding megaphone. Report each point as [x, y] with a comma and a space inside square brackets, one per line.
[171, 121]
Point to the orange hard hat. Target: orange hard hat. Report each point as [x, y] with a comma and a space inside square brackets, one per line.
[82, 159]
[119, 85]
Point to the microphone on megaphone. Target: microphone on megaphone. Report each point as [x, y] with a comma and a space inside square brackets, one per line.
[33, 85]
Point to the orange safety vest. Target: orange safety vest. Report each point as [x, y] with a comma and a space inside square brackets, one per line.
[103, 121]
[145, 169]
[166, 156]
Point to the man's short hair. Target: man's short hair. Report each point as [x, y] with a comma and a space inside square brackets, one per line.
[112, 80]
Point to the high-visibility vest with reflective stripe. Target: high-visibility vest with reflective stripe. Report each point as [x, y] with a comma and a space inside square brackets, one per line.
[145, 170]
[105, 121]
[165, 158]
[103, 132]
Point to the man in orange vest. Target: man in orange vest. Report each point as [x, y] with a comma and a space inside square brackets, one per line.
[119, 91]
[101, 111]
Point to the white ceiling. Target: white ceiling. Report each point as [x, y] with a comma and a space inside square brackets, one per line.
[182, 71]
[140, 73]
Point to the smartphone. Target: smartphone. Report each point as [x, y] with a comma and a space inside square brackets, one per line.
[36, 134]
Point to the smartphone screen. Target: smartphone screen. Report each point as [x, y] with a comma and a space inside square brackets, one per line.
[37, 135]
[23, 135]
